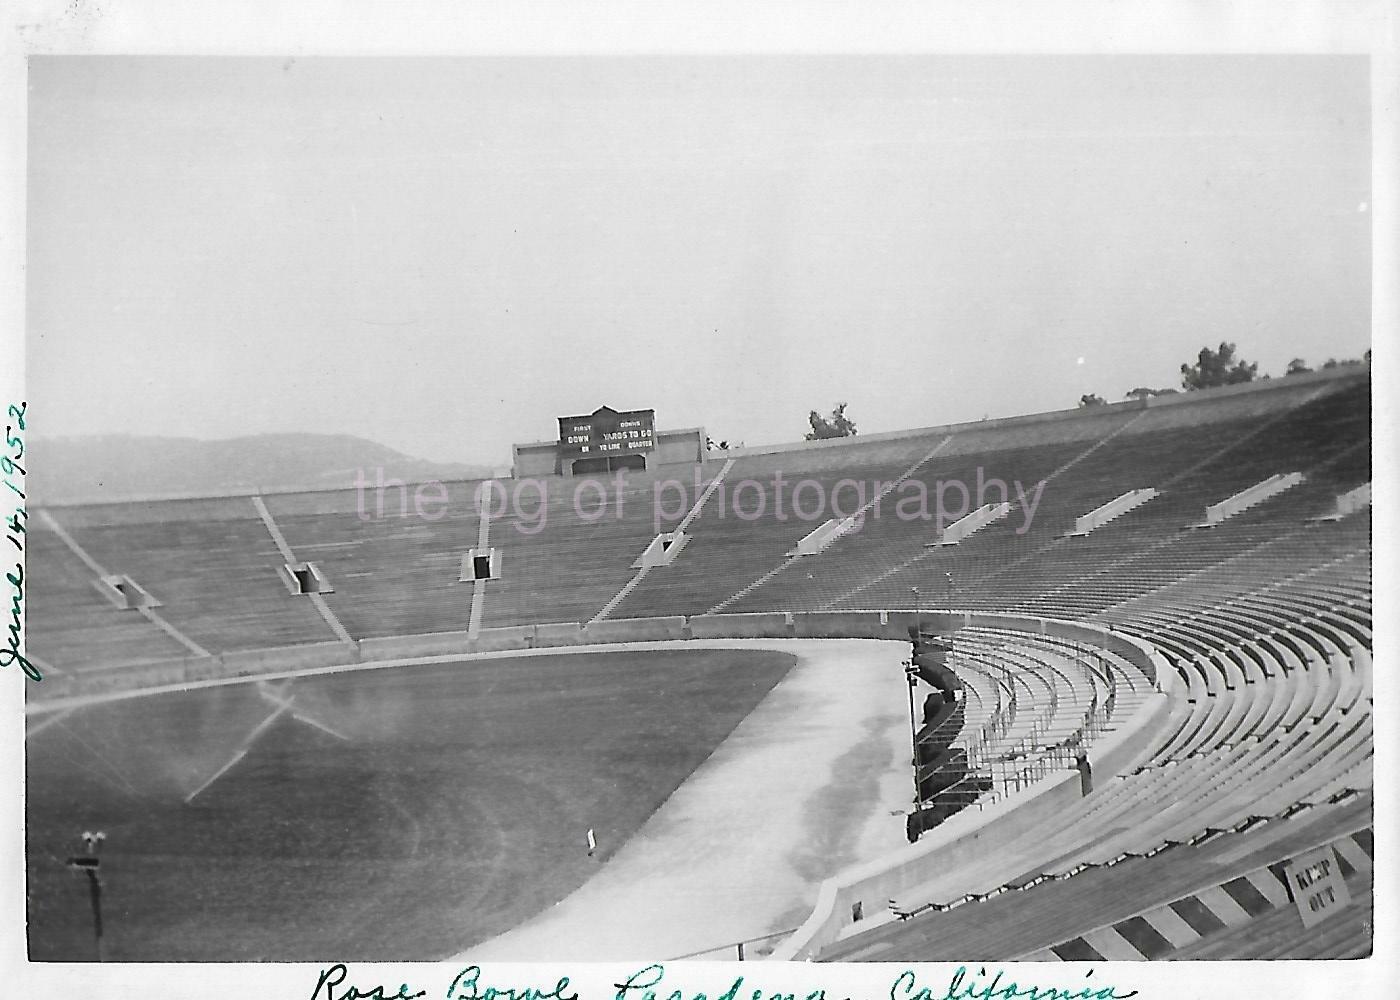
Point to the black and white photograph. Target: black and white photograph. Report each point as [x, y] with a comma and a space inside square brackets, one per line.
[675, 506]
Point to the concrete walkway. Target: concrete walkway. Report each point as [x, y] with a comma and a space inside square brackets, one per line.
[816, 778]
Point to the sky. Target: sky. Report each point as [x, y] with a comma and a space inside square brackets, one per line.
[444, 255]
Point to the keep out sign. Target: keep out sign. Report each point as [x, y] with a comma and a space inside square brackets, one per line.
[1315, 880]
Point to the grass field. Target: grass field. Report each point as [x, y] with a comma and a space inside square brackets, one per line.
[399, 814]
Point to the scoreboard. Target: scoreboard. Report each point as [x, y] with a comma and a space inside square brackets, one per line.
[606, 432]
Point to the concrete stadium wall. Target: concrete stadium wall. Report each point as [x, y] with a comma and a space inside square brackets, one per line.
[535, 459]
[899, 622]
[679, 447]
[636, 630]
[893, 625]
[490, 640]
[769, 625]
[398, 647]
[519, 637]
[843, 625]
[153, 673]
[557, 634]
[240, 663]
[318, 654]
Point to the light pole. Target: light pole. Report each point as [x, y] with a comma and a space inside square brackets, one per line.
[89, 863]
[917, 624]
[911, 674]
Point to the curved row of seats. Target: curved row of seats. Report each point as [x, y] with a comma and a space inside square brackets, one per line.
[1275, 718]
[1030, 702]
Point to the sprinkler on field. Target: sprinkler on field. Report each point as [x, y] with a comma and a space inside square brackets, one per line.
[89, 863]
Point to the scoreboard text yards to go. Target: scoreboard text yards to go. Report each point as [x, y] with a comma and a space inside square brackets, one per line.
[608, 431]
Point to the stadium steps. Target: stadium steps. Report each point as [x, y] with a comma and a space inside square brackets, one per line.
[695, 511]
[1126, 538]
[317, 600]
[728, 552]
[1028, 466]
[390, 576]
[862, 512]
[71, 625]
[90, 550]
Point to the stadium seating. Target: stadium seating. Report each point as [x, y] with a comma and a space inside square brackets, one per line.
[1265, 619]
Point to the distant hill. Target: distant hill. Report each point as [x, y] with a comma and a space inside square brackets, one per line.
[128, 467]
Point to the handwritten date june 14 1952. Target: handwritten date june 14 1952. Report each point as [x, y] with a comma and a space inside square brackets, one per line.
[13, 478]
